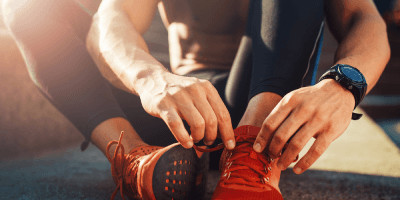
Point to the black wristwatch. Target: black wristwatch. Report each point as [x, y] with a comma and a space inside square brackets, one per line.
[351, 79]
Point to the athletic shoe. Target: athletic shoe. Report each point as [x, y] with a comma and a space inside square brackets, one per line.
[246, 174]
[152, 172]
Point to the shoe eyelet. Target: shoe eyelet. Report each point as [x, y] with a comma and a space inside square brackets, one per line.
[228, 164]
[228, 155]
[265, 169]
[229, 175]
[265, 180]
[269, 168]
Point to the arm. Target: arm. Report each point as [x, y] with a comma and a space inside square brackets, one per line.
[116, 44]
[324, 111]
[115, 38]
[362, 37]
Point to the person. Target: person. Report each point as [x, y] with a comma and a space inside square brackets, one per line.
[233, 63]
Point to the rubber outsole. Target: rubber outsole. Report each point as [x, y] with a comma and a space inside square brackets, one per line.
[176, 175]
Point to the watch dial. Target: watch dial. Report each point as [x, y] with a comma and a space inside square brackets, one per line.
[352, 74]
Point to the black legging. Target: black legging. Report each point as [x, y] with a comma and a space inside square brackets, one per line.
[274, 56]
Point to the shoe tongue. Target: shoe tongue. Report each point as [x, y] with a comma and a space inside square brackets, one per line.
[253, 161]
[247, 130]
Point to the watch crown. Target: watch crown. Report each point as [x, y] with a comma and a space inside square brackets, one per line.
[350, 87]
[336, 77]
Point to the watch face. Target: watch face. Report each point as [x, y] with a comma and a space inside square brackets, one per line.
[351, 74]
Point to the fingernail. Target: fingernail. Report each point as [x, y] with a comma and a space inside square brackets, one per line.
[189, 144]
[257, 147]
[297, 170]
[230, 144]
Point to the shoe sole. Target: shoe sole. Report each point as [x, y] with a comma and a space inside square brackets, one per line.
[175, 174]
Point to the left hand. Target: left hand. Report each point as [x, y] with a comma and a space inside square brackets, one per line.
[322, 111]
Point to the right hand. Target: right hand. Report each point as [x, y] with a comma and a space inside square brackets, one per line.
[173, 98]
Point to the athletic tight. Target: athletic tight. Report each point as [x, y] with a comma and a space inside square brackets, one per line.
[277, 54]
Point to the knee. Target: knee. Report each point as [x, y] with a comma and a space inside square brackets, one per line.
[25, 17]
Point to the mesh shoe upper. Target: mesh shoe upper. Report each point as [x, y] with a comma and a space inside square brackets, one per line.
[246, 174]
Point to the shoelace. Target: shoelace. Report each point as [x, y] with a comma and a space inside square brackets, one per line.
[233, 164]
[123, 162]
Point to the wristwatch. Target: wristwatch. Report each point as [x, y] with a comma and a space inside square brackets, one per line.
[349, 78]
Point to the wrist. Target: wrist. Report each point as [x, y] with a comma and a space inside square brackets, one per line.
[350, 78]
[333, 87]
[149, 80]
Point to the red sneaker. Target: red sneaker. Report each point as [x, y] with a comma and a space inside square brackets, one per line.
[151, 172]
[246, 174]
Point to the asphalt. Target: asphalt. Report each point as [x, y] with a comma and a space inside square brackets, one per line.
[40, 156]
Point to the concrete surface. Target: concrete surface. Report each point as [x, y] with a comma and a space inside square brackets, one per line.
[47, 163]
[362, 164]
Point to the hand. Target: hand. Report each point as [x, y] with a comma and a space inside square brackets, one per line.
[322, 111]
[173, 98]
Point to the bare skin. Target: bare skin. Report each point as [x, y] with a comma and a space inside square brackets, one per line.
[324, 111]
[195, 44]
[192, 39]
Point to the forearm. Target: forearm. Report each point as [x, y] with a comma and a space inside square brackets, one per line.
[119, 50]
[364, 45]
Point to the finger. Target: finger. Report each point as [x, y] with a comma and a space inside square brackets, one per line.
[270, 124]
[211, 123]
[317, 149]
[175, 124]
[223, 118]
[286, 130]
[195, 121]
[296, 144]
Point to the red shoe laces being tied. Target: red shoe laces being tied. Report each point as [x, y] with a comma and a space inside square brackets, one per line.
[124, 167]
[145, 172]
[244, 166]
[246, 174]
[121, 162]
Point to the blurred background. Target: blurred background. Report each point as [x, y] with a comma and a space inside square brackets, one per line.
[35, 135]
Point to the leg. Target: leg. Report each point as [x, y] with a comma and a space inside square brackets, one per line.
[47, 33]
[281, 38]
[52, 43]
[285, 37]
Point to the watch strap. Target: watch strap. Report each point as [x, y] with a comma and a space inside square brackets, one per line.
[332, 73]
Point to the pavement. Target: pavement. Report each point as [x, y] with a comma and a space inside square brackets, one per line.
[40, 156]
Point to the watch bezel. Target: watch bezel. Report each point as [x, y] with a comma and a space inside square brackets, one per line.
[357, 88]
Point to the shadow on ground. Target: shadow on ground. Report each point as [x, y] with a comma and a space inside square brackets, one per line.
[85, 175]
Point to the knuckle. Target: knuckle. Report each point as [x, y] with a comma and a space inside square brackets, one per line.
[171, 120]
[307, 108]
[212, 121]
[262, 138]
[321, 116]
[278, 139]
[267, 127]
[318, 151]
[296, 146]
[173, 123]
[291, 97]
[206, 83]
[198, 124]
[224, 117]
[306, 164]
